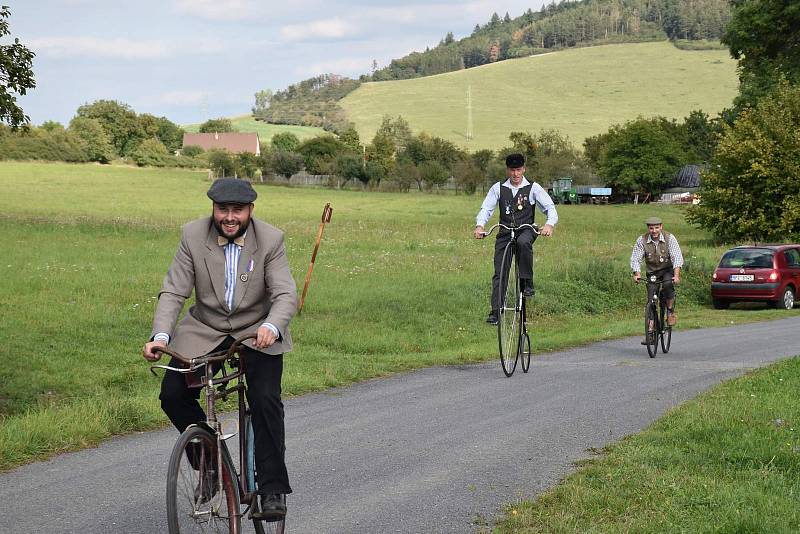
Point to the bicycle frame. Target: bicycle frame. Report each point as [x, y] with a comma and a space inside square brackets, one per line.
[218, 389]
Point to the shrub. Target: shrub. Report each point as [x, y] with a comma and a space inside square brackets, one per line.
[192, 151]
[152, 153]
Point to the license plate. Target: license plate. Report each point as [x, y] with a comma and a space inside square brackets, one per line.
[741, 278]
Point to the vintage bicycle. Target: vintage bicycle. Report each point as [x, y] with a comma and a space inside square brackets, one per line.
[205, 490]
[512, 328]
[656, 329]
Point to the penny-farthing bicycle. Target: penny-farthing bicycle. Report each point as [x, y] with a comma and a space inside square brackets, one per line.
[512, 328]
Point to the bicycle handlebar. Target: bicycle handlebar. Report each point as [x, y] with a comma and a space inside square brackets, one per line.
[195, 363]
[533, 227]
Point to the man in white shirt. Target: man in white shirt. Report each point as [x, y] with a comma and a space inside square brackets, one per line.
[516, 198]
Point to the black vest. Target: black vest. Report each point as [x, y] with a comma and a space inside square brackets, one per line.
[516, 208]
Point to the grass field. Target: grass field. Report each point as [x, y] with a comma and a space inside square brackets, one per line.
[399, 284]
[727, 461]
[580, 92]
[265, 131]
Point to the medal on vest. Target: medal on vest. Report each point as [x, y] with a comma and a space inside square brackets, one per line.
[243, 278]
[520, 202]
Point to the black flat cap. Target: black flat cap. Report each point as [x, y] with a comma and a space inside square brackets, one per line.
[231, 191]
[515, 161]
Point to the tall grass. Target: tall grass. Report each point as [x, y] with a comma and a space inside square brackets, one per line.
[399, 284]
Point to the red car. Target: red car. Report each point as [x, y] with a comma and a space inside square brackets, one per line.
[767, 273]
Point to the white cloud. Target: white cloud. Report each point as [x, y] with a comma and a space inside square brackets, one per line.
[91, 46]
[334, 28]
[218, 9]
[182, 98]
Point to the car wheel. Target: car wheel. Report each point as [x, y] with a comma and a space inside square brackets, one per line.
[720, 304]
[787, 300]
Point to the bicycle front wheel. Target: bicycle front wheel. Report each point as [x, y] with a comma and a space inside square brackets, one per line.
[201, 496]
[666, 330]
[651, 329]
[509, 322]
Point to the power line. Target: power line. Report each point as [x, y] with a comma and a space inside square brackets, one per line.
[469, 113]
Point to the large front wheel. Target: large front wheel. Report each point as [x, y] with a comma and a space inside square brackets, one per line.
[509, 324]
[201, 496]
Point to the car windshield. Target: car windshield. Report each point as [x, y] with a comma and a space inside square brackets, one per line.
[755, 258]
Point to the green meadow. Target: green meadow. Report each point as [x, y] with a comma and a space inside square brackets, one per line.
[726, 461]
[265, 131]
[399, 284]
[580, 92]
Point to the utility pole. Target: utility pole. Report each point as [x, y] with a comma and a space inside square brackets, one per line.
[469, 113]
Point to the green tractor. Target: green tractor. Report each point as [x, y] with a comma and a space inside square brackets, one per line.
[563, 192]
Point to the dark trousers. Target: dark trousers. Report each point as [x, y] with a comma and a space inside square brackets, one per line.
[263, 374]
[524, 251]
[667, 288]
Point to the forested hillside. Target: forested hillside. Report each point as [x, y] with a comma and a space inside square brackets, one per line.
[568, 24]
[565, 25]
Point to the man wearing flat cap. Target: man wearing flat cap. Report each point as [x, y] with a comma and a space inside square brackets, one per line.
[663, 259]
[516, 198]
[237, 267]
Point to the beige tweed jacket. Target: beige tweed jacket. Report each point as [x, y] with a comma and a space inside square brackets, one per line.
[265, 290]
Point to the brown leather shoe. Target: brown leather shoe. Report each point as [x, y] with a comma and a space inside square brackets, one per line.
[672, 319]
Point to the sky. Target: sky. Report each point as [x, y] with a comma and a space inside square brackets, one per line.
[192, 60]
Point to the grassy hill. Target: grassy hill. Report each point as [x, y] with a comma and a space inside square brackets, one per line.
[246, 123]
[581, 92]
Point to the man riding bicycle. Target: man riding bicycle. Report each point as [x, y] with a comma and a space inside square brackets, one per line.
[237, 268]
[516, 198]
[663, 259]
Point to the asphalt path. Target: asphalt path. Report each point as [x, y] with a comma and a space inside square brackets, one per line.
[434, 451]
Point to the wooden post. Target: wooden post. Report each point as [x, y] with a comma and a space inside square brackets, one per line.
[326, 218]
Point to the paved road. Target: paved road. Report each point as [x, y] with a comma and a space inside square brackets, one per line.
[431, 451]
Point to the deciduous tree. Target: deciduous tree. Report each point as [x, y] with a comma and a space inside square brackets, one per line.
[16, 75]
[752, 190]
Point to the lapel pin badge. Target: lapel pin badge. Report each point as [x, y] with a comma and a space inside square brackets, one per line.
[243, 278]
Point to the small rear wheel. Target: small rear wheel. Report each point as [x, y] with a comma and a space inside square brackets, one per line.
[201, 497]
[525, 352]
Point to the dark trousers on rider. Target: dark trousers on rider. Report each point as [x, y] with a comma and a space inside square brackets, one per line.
[525, 239]
[263, 374]
[667, 288]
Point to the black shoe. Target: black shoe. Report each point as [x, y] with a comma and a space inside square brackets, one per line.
[206, 487]
[650, 339]
[273, 508]
[527, 288]
[492, 319]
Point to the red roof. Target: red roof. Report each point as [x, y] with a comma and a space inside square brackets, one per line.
[234, 142]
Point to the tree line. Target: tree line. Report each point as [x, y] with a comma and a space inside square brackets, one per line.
[563, 25]
[314, 102]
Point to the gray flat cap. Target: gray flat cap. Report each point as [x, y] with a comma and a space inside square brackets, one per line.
[231, 191]
[652, 220]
